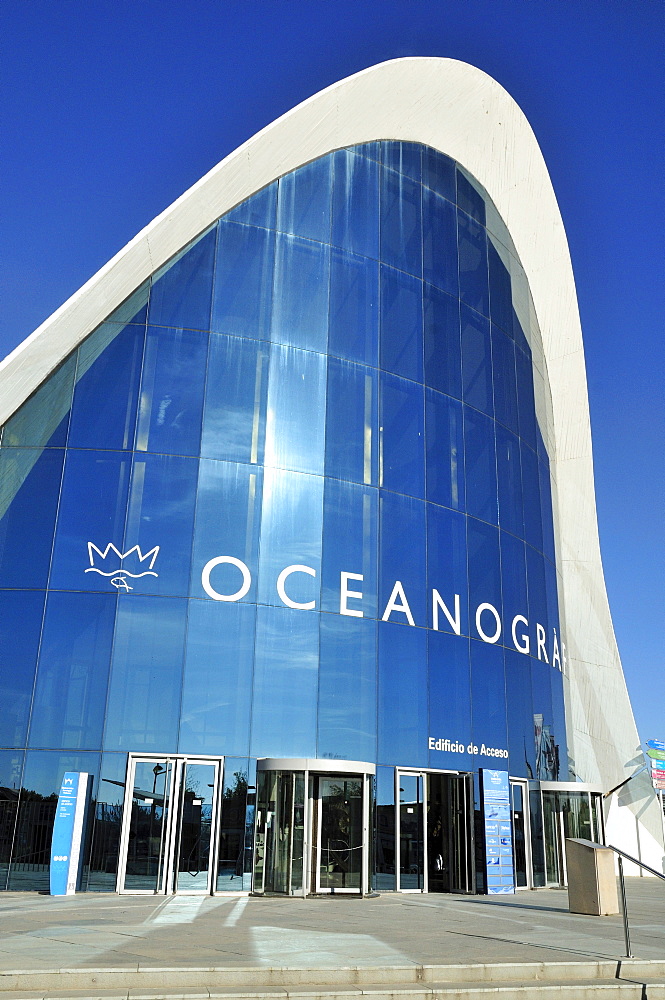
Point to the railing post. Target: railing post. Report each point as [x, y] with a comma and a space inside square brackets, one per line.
[626, 932]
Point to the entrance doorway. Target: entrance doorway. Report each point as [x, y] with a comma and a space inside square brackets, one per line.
[434, 834]
[169, 830]
[312, 827]
[519, 814]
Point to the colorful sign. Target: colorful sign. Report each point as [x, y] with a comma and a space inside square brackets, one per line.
[657, 764]
[495, 794]
[654, 754]
[68, 833]
[658, 774]
[659, 784]
[656, 745]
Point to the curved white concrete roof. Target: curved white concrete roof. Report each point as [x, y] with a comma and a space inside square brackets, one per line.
[461, 111]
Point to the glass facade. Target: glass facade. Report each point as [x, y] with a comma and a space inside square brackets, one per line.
[292, 499]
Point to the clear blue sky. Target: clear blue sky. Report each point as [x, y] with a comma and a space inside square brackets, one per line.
[111, 109]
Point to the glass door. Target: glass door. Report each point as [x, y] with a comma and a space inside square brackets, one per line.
[340, 834]
[410, 837]
[196, 815]
[169, 825]
[519, 800]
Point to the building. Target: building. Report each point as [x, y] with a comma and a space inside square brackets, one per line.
[299, 544]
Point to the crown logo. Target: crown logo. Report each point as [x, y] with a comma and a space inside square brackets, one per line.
[117, 565]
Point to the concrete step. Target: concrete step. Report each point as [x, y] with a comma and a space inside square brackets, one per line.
[624, 980]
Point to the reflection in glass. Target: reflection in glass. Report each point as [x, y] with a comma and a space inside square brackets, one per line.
[340, 833]
[215, 710]
[181, 291]
[29, 488]
[18, 660]
[172, 392]
[354, 307]
[295, 424]
[235, 407]
[243, 281]
[146, 675]
[74, 663]
[355, 220]
[300, 303]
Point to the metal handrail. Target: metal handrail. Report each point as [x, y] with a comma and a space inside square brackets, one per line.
[621, 855]
[636, 862]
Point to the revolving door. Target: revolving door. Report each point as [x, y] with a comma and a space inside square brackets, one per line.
[312, 827]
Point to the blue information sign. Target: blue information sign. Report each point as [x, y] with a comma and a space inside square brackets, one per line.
[656, 744]
[67, 833]
[495, 792]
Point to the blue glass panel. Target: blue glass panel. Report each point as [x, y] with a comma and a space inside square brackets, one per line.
[473, 277]
[501, 296]
[545, 739]
[146, 675]
[107, 388]
[484, 572]
[533, 527]
[525, 401]
[401, 324]
[372, 150]
[521, 745]
[442, 342]
[404, 157]
[347, 688]
[295, 428]
[217, 685]
[243, 281]
[505, 380]
[291, 530]
[401, 228]
[445, 450]
[228, 518]
[439, 173]
[303, 201]
[352, 439]
[285, 683]
[476, 362]
[93, 505]
[11, 768]
[440, 243]
[402, 459]
[29, 487]
[355, 219]
[480, 466]
[18, 660]
[509, 477]
[354, 308]
[402, 695]
[384, 844]
[488, 700]
[402, 556]
[546, 510]
[74, 663]
[42, 776]
[181, 291]
[161, 512]
[43, 419]
[469, 199]
[259, 210]
[300, 300]
[106, 822]
[172, 392]
[350, 535]
[449, 698]
[538, 612]
[234, 415]
[515, 597]
[446, 565]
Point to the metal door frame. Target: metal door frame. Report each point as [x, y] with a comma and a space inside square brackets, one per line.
[424, 772]
[524, 783]
[364, 789]
[168, 885]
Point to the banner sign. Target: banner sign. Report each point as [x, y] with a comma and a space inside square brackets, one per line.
[657, 765]
[67, 833]
[656, 745]
[495, 798]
